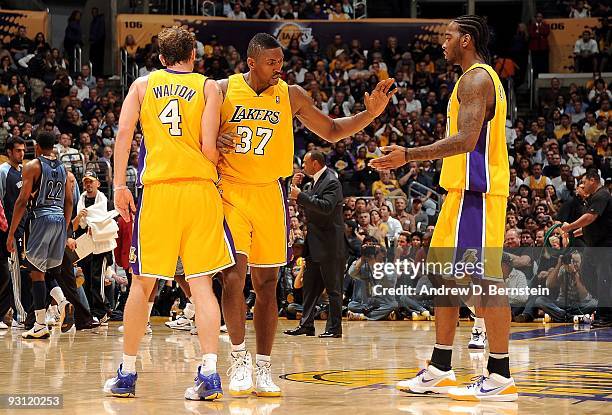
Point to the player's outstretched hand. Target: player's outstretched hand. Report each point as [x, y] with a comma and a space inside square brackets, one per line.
[124, 204]
[395, 157]
[377, 101]
[226, 142]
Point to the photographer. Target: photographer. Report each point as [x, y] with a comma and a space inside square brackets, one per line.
[365, 304]
[596, 228]
[573, 298]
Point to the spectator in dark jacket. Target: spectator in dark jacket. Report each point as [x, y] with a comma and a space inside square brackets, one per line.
[73, 36]
[97, 37]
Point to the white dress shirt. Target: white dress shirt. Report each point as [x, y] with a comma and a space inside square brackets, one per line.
[317, 175]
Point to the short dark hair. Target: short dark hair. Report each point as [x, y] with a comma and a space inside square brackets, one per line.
[45, 140]
[318, 157]
[10, 143]
[261, 41]
[592, 174]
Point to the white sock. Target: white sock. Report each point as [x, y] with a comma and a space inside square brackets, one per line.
[479, 323]
[40, 316]
[58, 295]
[209, 364]
[129, 364]
[262, 359]
[189, 311]
[239, 347]
[150, 308]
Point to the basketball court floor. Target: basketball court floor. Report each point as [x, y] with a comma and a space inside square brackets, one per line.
[559, 369]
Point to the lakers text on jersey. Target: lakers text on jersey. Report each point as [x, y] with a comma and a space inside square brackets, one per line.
[253, 199]
[264, 123]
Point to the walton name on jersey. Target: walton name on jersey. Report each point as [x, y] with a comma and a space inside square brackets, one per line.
[242, 113]
[174, 90]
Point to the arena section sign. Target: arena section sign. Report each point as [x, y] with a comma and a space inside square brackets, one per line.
[239, 32]
[11, 20]
[563, 36]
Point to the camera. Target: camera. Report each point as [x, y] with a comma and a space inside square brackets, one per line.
[368, 251]
[566, 259]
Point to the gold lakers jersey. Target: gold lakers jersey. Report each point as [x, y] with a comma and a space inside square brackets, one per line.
[264, 123]
[171, 119]
[486, 168]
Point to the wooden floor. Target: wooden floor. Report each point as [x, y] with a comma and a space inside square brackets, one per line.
[558, 369]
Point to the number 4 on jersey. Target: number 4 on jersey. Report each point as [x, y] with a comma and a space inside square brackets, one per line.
[171, 115]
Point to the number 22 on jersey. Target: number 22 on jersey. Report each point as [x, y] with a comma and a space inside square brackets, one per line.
[246, 136]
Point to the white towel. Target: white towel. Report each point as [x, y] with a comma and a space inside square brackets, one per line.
[101, 223]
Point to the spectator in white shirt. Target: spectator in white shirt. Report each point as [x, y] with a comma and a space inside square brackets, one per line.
[587, 163]
[237, 13]
[412, 104]
[515, 181]
[585, 53]
[64, 148]
[147, 69]
[578, 113]
[571, 155]
[226, 8]
[395, 227]
[532, 137]
[81, 88]
[299, 71]
[580, 11]
[88, 78]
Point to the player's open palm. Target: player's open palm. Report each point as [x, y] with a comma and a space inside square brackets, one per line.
[124, 204]
[395, 157]
[377, 101]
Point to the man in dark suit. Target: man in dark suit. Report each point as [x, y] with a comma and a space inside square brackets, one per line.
[325, 245]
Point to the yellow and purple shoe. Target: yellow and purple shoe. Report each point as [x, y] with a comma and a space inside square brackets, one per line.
[494, 387]
[206, 388]
[123, 385]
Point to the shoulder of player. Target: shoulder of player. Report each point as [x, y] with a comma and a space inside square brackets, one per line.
[297, 97]
[32, 167]
[211, 86]
[141, 80]
[475, 82]
[223, 84]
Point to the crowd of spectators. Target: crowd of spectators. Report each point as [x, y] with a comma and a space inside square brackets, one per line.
[550, 151]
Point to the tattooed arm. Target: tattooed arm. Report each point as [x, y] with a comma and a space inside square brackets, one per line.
[475, 89]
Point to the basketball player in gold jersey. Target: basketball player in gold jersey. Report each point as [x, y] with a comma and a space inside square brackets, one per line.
[476, 173]
[179, 114]
[258, 109]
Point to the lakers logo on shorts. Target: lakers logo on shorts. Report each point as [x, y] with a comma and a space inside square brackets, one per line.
[132, 257]
[470, 256]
